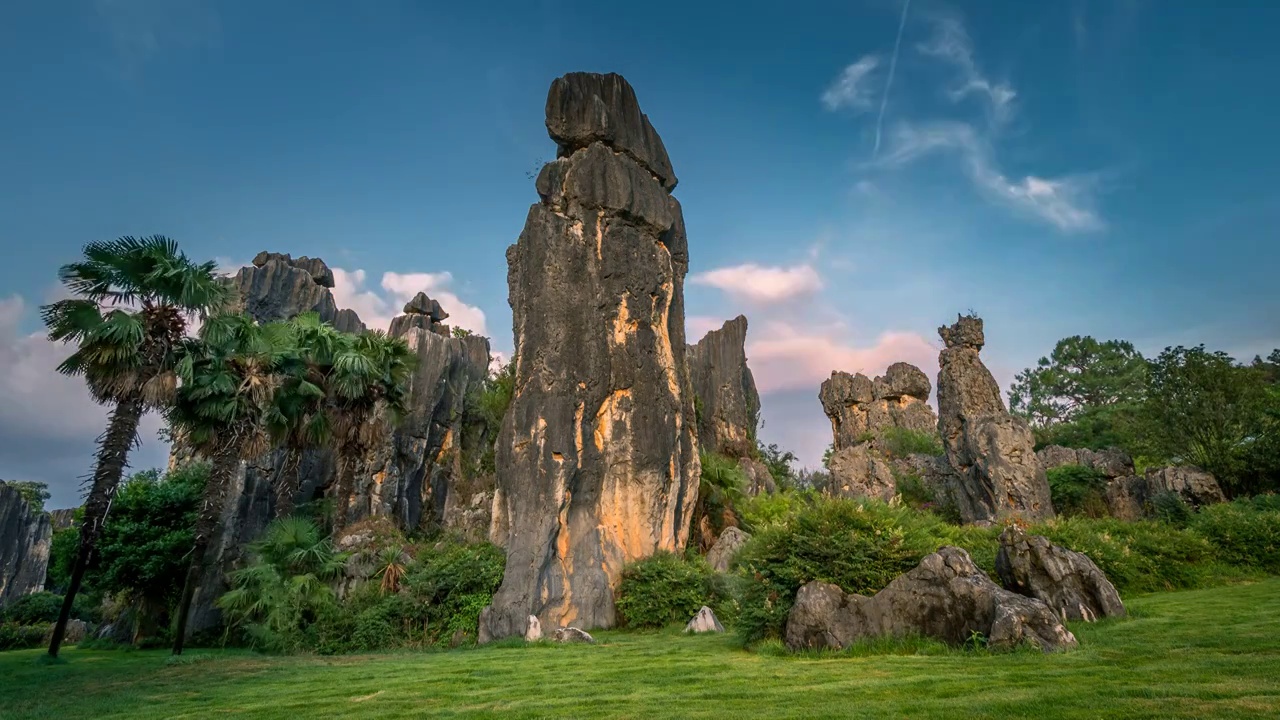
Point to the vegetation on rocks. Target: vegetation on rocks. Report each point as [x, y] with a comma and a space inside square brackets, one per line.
[666, 589]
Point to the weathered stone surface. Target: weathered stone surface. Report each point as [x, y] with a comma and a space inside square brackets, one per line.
[704, 622]
[423, 313]
[598, 457]
[759, 479]
[1112, 463]
[861, 409]
[585, 108]
[946, 597]
[860, 471]
[731, 540]
[533, 632]
[277, 287]
[77, 631]
[1194, 485]
[728, 404]
[1067, 581]
[63, 519]
[992, 452]
[25, 538]
[572, 635]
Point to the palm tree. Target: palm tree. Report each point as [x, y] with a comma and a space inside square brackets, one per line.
[367, 394]
[128, 320]
[299, 420]
[230, 378]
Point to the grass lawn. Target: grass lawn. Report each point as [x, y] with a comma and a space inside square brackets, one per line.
[1196, 654]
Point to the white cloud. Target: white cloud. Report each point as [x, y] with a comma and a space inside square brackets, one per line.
[48, 421]
[851, 89]
[1066, 202]
[376, 308]
[786, 357]
[762, 284]
[950, 43]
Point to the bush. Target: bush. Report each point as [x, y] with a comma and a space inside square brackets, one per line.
[758, 512]
[43, 607]
[1170, 507]
[1244, 533]
[14, 636]
[1137, 557]
[1077, 490]
[900, 442]
[665, 589]
[451, 584]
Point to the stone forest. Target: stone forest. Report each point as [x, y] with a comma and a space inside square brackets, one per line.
[335, 489]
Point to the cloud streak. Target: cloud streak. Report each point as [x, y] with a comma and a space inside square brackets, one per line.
[850, 89]
[762, 284]
[888, 83]
[951, 44]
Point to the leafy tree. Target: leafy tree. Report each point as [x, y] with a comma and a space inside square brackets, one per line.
[1082, 393]
[230, 376]
[368, 391]
[1204, 409]
[779, 463]
[133, 297]
[460, 332]
[34, 493]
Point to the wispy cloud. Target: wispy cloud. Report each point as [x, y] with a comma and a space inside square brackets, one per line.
[951, 43]
[888, 83]
[141, 29]
[376, 308]
[763, 284]
[852, 88]
[1066, 202]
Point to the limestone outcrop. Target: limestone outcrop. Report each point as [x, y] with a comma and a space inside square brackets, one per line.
[1112, 463]
[278, 287]
[598, 455]
[945, 597]
[25, 538]
[423, 313]
[1128, 495]
[861, 410]
[721, 554]
[728, 406]
[990, 451]
[1067, 581]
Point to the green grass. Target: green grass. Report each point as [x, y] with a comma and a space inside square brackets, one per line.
[1191, 654]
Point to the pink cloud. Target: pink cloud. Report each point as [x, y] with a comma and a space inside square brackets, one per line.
[762, 283]
[783, 357]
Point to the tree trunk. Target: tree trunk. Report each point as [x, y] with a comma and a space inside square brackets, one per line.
[288, 480]
[113, 455]
[225, 462]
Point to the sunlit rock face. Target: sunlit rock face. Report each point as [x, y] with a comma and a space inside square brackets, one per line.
[597, 457]
[991, 452]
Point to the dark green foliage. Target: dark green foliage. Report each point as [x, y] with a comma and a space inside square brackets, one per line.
[900, 442]
[1203, 409]
[35, 493]
[1245, 533]
[665, 589]
[1080, 374]
[62, 556]
[486, 406]
[42, 607]
[1170, 507]
[1077, 490]
[460, 332]
[720, 491]
[1137, 557]
[449, 585]
[779, 464]
[914, 492]
[17, 637]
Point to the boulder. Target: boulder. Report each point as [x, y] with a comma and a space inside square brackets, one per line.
[1067, 581]
[26, 535]
[759, 479]
[1112, 462]
[991, 452]
[731, 540]
[533, 632]
[1195, 486]
[572, 635]
[860, 471]
[946, 597]
[728, 404]
[704, 622]
[598, 456]
[277, 287]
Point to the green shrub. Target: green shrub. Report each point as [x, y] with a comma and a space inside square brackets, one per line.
[758, 512]
[1244, 533]
[665, 589]
[913, 491]
[1077, 490]
[43, 607]
[900, 442]
[1170, 507]
[1137, 557]
[450, 585]
[14, 636]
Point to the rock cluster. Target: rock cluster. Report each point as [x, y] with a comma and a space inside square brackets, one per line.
[1128, 495]
[860, 410]
[946, 597]
[731, 540]
[1067, 581]
[991, 452]
[278, 287]
[598, 457]
[25, 538]
[421, 312]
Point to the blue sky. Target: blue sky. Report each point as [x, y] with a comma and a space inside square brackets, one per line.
[1088, 167]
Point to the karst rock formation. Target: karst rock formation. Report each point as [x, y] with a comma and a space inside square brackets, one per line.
[1127, 495]
[727, 404]
[415, 475]
[991, 452]
[861, 410]
[25, 538]
[597, 457]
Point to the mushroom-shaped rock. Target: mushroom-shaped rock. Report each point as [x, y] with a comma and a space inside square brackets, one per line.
[572, 635]
[1067, 581]
[420, 304]
[705, 621]
[726, 546]
[945, 597]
